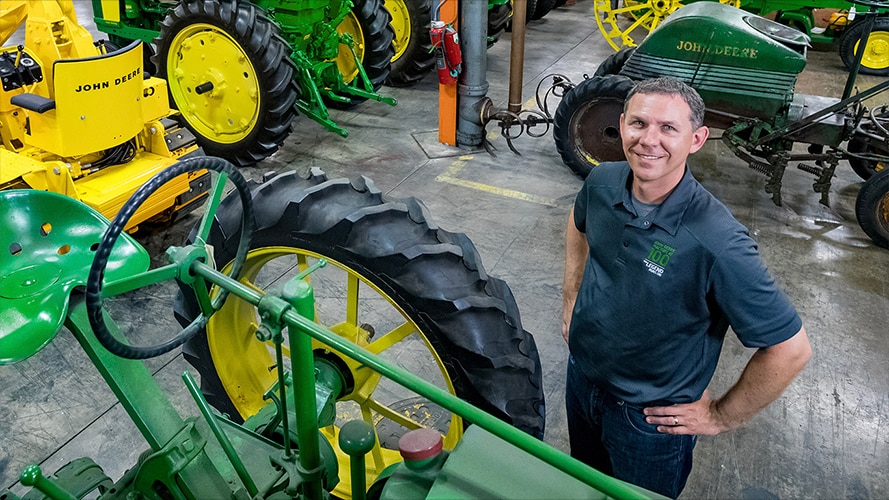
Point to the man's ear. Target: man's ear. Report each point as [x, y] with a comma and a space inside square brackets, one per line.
[699, 137]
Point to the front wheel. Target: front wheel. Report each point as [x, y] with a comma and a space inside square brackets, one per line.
[395, 285]
[586, 126]
[875, 60]
[872, 208]
[231, 77]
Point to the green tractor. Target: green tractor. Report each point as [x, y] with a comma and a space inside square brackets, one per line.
[238, 71]
[622, 23]
[745, 67]
[334, 399]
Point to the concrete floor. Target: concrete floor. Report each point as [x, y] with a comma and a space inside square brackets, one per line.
[824, 438]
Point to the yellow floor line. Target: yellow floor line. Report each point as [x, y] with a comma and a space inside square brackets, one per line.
[450, 177]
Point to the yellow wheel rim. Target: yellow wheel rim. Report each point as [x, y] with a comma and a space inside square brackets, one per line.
[619, 25]
[213, 83]
[876, 54]
[344, 60]
[401, 23]
[374, 322]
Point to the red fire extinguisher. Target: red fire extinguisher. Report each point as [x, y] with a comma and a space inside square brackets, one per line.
[448, 59]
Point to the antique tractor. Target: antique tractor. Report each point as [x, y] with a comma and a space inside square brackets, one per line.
[622, 23]
[325, 408]
[238, 71]
[745, 67]
[57, 128]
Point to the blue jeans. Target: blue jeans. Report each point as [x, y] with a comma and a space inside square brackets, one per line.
[612, 436]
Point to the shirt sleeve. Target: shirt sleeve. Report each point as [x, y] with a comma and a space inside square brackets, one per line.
[580, 208]
[759, 313]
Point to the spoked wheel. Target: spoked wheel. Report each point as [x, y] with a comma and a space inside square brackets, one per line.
[872, 208]
[230, 75]
[586, 126]
[396, 285]
[413, 57]
[622, 25]
[875, 60]
[368, 25]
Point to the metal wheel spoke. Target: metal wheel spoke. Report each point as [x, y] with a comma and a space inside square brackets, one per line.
[391, 338]
[393, 415]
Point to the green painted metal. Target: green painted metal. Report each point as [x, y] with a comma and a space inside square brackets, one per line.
[302, 330]
[309, 26]
[188, 465]
[61, 234]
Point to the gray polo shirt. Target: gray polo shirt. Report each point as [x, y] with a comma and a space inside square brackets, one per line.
[660, 291]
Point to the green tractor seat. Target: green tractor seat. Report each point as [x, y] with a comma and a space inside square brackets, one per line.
[47, 244]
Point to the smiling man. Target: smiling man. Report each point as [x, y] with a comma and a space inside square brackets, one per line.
[656, 271]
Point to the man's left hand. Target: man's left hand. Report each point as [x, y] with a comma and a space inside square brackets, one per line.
[699, 418]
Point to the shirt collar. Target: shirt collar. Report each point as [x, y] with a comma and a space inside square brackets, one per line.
[669, 215]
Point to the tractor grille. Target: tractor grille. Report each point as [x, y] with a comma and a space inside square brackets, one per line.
[740, 91]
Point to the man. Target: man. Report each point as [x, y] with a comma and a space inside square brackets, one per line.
[656, 271]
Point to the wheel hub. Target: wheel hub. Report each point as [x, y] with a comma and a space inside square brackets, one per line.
[213, 83]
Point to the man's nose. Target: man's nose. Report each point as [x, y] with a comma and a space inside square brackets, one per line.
[649, 135]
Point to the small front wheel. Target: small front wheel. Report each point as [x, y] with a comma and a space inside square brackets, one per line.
[872, 208]
[586, 126]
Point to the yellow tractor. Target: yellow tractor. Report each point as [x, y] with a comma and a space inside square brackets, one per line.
[81, 119]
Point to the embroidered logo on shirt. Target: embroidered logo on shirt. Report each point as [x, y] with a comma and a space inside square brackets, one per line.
[658, 258]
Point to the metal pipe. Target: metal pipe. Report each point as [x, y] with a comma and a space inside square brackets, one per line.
[473, 86]
[517, 55]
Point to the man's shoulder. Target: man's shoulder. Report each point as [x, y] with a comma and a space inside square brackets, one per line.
[712, 223]
[612, 173]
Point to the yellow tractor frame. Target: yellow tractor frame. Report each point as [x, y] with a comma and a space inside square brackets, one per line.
[81, 118]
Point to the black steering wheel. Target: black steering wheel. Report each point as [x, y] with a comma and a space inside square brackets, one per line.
[195, 252]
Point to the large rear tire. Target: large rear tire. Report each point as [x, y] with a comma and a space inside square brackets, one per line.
[586, 126]
[875, 60]
[230, 75]
[425, 303]
[413, 48]
[368, 24]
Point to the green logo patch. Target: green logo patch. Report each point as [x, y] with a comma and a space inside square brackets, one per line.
[658, 258]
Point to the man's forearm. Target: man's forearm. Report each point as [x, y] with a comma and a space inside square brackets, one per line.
[765, 377]
[576, 252]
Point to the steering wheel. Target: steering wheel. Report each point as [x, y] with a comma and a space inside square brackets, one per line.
[181, 271]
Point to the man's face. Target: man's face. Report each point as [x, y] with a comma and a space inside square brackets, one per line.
[658, 136]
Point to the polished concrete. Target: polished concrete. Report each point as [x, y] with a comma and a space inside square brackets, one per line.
[825, 437]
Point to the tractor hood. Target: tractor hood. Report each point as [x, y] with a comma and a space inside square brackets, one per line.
[741, 64]
[710, 33]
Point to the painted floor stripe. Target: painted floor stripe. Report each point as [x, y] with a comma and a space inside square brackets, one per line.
[450, 177]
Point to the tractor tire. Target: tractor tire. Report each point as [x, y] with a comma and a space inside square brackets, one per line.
[235, 90]
[368, 23]
[586, 126]
[615, 62]
[413, 58]
[872, 208]
[543, 7]
[875, 60]
[420, 284]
